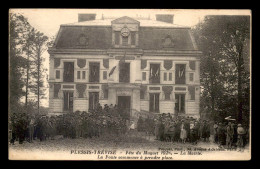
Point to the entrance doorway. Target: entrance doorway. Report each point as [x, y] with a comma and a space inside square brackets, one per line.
[124, 104]
[68, 101]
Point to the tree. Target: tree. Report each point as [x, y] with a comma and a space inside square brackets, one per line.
[16, 61]
[27, 49]
[223, 40]
[39, 45]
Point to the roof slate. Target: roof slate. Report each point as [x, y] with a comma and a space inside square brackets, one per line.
[99, 35]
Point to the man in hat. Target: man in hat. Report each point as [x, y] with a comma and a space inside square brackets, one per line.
[230, 133]
[241, 133]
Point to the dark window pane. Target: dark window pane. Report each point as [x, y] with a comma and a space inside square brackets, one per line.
[57, 74]
[94, 72]
[93, 100]
[133, 38]
[68, 101]
[83, 74]
[165, 77]
[154, 102]
[117, 37]
[78, 75]
[56, 90]
[68, 74]
[154, 73]
[124, 72]
[180, 74]
[170, 76]
[105, 75]
[144, 75]
[180, 103]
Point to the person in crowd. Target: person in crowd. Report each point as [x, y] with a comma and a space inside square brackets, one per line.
[241, 133]
[187, 127]
[234, 142]
[230, 134]
[221, 135]
[157, 126]
[31, 129]
[207, 131]
[161, 130]
[204, 132]
[183, 134]
[177, 130]
[215, 128]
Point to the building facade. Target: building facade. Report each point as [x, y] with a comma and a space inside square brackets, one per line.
[139, 64]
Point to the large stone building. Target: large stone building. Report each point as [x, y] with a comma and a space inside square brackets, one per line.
[141, 65]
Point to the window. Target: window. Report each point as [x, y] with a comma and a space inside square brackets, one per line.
[154, 102]
[191, 77]
[57, 74]
[180, 103]
[117, 38]
[94, 72]
[68, 101]
[124, 72]
[133, 34]
[144, 75]
[68, 74]
[180, 74]
[154, 73]
[78, 74]
[105, 75]
[83, 74]
[93, 100]
[165, 77]
[170, 76]
[124, 41]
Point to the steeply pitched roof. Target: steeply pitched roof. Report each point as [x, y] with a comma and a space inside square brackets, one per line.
[99, 35]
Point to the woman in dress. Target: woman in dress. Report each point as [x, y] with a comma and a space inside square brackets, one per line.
[183, 134]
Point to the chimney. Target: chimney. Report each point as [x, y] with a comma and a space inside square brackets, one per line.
[164, 18]
[86, 17]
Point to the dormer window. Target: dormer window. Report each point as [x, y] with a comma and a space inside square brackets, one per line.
[125, 32]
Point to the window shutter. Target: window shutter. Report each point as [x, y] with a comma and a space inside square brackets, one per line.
[117, 37]
[133, 38]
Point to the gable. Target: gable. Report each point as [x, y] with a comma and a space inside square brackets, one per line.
[124, 20]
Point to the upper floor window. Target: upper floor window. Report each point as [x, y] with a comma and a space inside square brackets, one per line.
[125, 38]
[180, 74]
[68, 74]
[124, 72]
[154, 73]
[93, 72]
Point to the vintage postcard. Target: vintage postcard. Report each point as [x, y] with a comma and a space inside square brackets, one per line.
[129, 84]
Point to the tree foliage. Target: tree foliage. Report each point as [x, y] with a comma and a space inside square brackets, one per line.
[224, 79]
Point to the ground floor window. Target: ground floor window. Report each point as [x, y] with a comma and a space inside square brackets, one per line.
[93, 100]
[68, 101]
[154, 102]
[180, 103]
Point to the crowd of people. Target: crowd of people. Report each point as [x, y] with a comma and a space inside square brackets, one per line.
[188, 129]
[107, 120]
[111, 120]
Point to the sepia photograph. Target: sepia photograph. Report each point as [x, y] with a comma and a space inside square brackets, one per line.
[129, 84]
